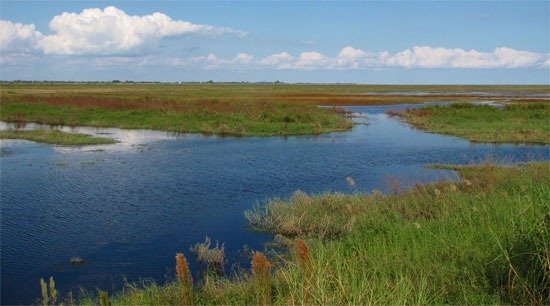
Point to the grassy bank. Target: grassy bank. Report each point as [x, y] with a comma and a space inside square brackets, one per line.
[483, 240]
[513, 123]
[56, 137]
[224, 109]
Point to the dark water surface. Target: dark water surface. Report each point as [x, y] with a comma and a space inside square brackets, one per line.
[128, 208]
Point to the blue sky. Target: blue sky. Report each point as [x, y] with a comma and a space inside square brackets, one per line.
[379, 42]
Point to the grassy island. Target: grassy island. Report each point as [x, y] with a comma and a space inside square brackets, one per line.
[56, 137]
[527, 123]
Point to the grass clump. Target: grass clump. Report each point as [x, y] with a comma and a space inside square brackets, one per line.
[56, 137]
[212, 257]
[512, 123]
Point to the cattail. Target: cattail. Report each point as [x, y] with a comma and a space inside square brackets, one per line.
[185, 278]
[262, 276]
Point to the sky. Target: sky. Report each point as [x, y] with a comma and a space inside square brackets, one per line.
[369, 42]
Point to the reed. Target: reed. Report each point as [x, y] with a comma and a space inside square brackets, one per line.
[49, 297]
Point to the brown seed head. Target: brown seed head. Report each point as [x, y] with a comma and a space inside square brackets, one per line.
[260, 265]
[302, 254]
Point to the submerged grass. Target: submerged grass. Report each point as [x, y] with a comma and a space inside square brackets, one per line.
[511, 123]
[56, 137]
[483, 240]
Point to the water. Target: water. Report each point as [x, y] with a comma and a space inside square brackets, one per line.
[128, 208]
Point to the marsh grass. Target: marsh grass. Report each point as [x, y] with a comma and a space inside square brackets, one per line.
[512, 123]
[213, 257]
[482, 240]
[56, 137]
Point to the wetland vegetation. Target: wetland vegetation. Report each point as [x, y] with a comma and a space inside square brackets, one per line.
[526, 123]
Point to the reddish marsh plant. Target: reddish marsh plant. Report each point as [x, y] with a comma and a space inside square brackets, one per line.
[262, 277]
[185, 278]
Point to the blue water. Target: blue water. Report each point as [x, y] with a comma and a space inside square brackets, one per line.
[128, 208]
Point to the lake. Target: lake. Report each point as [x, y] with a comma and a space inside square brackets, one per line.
[128, 208]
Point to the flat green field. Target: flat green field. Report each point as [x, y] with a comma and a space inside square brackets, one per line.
[235, 109]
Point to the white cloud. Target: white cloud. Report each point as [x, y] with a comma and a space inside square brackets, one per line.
[242, 58]
[18, 38]
[102, 32]
[312, 61]
[428, 57]
[281, 60]
[350, 58]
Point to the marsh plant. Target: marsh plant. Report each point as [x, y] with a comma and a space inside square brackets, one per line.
[185, 279]
[49, 293]
[261, 271]
[211, 256]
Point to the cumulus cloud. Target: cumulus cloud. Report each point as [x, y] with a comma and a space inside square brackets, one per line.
[418, 57]
[102, 32]
[281, 60]
[428, 57]
[18, 38]
[312, 61]
[112, 31]
[350, 58]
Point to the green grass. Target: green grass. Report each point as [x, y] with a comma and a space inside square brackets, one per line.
[56, 137]
[483, 240]
[513, 123]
